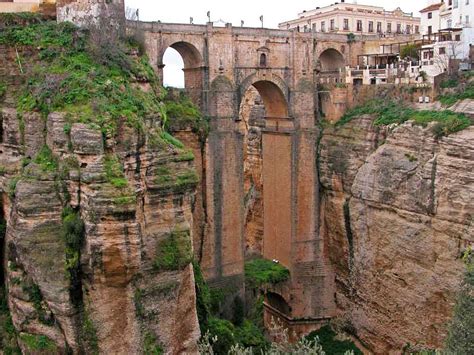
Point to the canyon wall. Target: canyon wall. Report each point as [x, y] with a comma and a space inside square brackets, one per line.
[397, 211]
[121, 297]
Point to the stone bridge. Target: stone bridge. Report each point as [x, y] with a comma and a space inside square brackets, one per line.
[221, 64]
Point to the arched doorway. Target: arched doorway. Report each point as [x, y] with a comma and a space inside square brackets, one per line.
[267, 171]
[331, 60]
[187, 56]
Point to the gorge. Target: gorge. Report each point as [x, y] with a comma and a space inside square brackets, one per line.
[135, 219]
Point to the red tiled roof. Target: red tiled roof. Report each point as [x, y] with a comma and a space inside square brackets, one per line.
[432, 7]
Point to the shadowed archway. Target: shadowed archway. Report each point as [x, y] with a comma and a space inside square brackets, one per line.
[331, 59]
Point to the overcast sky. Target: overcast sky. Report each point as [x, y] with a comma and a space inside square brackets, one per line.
[273, 11]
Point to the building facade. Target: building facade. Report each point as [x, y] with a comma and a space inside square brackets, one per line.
[448, 25]
[24, 5]
[354, 18]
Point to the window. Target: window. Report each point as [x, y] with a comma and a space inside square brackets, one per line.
[371, 26]
[450, 23]
[263, 60]
[346, 24]
[455, 5]
[457, 38]
[417, 29]
[314, 27]
[359, 25]
[305, 28]
[408, 29]
[450, 2]
[389, 27]
[442, 50]
[430, 30]
[323, 26]
[430, 15]
[399, 28]
[331, 25]
[467, 19]
[467, 2]
[379, 27]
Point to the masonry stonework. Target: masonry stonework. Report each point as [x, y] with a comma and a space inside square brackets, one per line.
[103, 15]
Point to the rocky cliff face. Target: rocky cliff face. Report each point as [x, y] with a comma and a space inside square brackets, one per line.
[113, 294]
[397, 209]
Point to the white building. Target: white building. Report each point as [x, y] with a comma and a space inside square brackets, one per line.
[449, 25]
[359, 19]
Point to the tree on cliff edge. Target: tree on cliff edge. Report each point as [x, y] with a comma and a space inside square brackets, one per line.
[460, 339]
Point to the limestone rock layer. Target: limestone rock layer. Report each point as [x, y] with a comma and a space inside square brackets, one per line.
[397, 210]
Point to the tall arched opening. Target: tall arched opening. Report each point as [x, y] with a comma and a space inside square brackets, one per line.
[267, 172]
[188, 57]
[331, 60]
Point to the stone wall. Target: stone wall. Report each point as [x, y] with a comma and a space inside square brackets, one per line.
[104, 16]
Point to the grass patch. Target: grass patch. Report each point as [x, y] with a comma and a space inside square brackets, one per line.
[114, 172]
[390, 112]
[38, 342]
[168, 138]
[262, 271]
[187, 178]
[89, 338]
[331, 345]
[74, 73]
[451, 99]
[174, 252]
[151, 346]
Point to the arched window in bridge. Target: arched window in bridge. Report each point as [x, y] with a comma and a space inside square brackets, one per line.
[263, 60]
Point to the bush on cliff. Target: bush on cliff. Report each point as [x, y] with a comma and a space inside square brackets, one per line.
[67, 76]
[390, 112]
[262, 271]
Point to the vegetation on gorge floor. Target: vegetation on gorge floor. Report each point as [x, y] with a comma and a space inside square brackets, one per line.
[390, 112]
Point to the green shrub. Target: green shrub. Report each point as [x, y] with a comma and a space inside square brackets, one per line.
[224, 331]
[460, 338]
[186, 179]
[46, 160]
[409, 51]
[449, 83]
[151, 346]
[36, 297]
[331, 345]
[89, 338]
[3, 90]
[8, 333]
[261, 271]
[251, 336]
[203, 297]
[174, 252]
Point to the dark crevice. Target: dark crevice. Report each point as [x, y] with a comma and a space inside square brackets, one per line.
[349, 235]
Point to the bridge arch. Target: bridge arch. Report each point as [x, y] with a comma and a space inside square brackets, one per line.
[193, 68]
[331, 59]
[273, 91]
